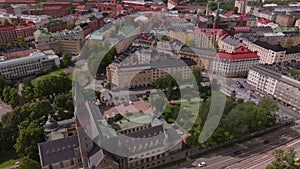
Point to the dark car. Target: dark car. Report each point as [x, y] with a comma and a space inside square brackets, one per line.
[237, 152]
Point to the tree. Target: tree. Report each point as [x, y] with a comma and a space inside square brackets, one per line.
[198, 76]
[30, 134]
[283, 160]
[3, 83]
[6, 22]
[39, 109]
[66, 60]
[70, 26]
[27, 163]
[10, 96]
[52, 85]
[63, 103]
[268, 104]
[20, 41]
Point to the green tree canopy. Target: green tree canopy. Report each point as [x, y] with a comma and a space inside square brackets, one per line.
[30, 134]
[3, 84]
[283, 160]
[10, 96]
[27, 163]
[51, 85]
[63, 103]
[66, 60]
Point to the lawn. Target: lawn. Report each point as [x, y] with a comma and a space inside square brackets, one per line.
[51, 73]
[8, 159]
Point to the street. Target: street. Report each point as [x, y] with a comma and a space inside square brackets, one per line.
[256, 153]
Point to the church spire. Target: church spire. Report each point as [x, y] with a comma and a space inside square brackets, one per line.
[217, 19]
[218, 12]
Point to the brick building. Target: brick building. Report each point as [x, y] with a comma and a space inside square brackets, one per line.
[10, 33]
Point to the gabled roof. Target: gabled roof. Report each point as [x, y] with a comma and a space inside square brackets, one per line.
[58, 150]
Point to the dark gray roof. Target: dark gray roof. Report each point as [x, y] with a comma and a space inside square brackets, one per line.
[199, 51]
[265, 45]
[57, 150]
[96, 155]
[266, 71]
[295, 49]
[128, 146]
[149, 132]
[231, 40]
[173, 62]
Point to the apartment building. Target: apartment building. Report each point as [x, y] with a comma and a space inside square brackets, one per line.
[235, 64]
[274, 53]
[207, 37]
[182, 32]
[202, 56]
[274, 80]
[69, 41]
[140, 67]
[26, 66]
[10, 33]
[229, 44]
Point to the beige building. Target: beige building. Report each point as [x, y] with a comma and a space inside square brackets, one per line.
[229, 44]
[235, 64]
[30, 65]
[69, 41]
[203, 57]
[145, 75]
[281, 87]
[241, 5]
[297, 23]
[274, 53]
[206, 37]
[287, 19]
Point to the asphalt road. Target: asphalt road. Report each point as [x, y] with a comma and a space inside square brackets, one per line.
[254, 153]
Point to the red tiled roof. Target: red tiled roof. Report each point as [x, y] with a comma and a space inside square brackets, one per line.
[263, 20]
[80, 7]
[240, 53]
[190, 7]
[209, 31]
[53, 7]
[6, 27]
[229, 13]
[243, 28]
[55, 3]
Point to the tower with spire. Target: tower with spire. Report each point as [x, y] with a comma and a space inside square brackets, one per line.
[207, 11]
[217, 19]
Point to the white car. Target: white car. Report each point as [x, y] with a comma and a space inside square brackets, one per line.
[202, 164]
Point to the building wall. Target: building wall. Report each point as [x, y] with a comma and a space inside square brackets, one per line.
[27, 66]
[142, 76]
[288, 93]
[225, 47]
[233, 68]
[17, 54]
[269, 57]
[262, 82]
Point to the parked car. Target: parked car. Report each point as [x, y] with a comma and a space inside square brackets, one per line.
[202, 164]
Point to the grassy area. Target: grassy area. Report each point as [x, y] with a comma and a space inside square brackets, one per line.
[170, 164]
[8, 159]
[54, 72]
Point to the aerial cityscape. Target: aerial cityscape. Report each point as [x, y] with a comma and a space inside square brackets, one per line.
[140, 84]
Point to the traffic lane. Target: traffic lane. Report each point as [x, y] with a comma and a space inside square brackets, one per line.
[228, 157]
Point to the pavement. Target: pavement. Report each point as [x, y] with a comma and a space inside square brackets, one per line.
[253, 154]
[4, 108]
